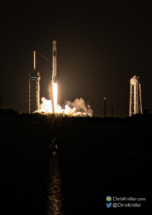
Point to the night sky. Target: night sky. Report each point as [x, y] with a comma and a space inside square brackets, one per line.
[100, 46]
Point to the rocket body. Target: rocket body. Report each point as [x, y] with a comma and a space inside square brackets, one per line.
[54, 78]
[54, 62]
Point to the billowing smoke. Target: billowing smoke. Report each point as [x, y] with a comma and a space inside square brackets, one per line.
[76, 108]
[46, 105]
[80, 106]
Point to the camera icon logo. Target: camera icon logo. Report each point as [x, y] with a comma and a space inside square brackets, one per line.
[108, 198]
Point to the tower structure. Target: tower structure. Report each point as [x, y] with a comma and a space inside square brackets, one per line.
[34, 87]
[135, 104]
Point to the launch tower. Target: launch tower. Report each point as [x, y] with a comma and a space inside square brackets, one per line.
[34, 88]
[135, 106]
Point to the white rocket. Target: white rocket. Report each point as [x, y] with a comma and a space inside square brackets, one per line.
[54, 62]
[53, 84]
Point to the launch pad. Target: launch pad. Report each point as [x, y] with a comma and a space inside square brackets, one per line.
[34, 84]
[51, 106]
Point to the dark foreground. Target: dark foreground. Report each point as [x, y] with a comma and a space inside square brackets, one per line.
[106, 157]
[96, 158]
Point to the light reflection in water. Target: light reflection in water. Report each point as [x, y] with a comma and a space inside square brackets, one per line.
[55, 195]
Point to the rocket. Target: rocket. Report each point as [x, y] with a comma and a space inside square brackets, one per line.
[53, 84]
[54, 62]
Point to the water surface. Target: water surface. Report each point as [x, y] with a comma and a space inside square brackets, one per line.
[54, 191]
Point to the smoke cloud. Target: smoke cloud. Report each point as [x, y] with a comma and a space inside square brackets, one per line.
[46, 105]
[80, 106]
[76, 108]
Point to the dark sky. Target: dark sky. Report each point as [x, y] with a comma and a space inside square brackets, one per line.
[100, 46]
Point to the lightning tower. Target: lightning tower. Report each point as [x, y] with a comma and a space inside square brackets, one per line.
[135, 106]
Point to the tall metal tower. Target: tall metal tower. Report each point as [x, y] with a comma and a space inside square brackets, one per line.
[34, 88]
[135, 106]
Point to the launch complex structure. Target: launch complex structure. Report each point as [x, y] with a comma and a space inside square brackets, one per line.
[34, 84]
[34, 87]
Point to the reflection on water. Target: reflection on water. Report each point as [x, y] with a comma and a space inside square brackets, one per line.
[55, 195]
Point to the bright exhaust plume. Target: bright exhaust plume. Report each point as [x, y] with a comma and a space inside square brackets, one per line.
[76, 108]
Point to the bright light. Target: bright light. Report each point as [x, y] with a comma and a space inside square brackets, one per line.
[66, 109]
[55, 97]
[78, 107]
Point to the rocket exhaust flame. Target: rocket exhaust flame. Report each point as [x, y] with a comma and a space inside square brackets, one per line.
[55, 97]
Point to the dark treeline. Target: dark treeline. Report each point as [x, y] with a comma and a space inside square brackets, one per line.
[97, 157]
